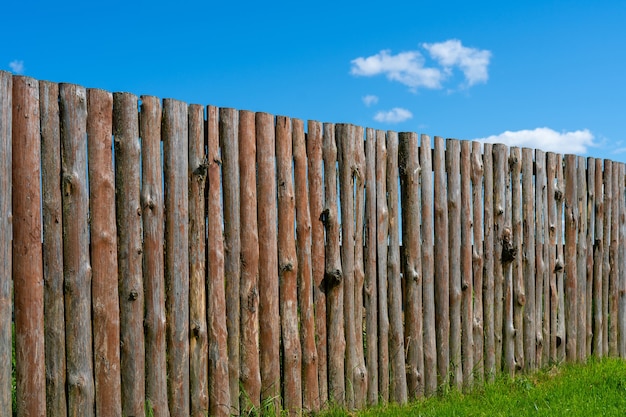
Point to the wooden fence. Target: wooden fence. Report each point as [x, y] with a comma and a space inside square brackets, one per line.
[190, 260]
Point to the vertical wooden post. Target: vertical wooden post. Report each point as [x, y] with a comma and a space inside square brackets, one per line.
[560, 262]
[153, 261]
[316, 202]
[467, 284]
[128, 207]
[382, 220]
[232, 244]
[477, 254]
[590, 219]
[529, 276]
[621, 318]
[176, 162]
[499, 200]
[198, 344]
[310, 388]
[249, 291]
[288, 269]
[614, 261]
[606, 264]
[371, 292]
[598, 260]
[106, 308]
[6, 299]
[581, 257]
[490, 256]
[27, 254]
[519, 294]
[412, 263]
[511, 245]
[442, 276]
[542, 287]
[269, 326]
[76, 266]
[219, 390]
[428, 266]
[571, 274]
[52, 210]
[552, 252]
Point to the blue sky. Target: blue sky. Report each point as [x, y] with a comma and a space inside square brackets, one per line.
[546, 74]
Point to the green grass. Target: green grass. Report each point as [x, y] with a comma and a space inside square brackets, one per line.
[595, 389]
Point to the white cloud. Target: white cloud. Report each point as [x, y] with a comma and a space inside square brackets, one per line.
[405, 67]
[17, 66]
[546, 139]
[395, 115]
[370, 100]
[451, 53]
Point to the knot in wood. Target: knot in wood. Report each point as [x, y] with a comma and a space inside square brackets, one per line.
[332, 279]
[133, 296]
[509, 252]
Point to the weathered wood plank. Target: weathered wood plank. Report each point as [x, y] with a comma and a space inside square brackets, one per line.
[614, 261]
[500, 170]
[316, 202]
[175, 167]
[250, 377]
[598, 261]
[52, 212]
[219, 389]
[591, 198]
[511, 266]
[27, 254]
[467, 284]
[519, 294]
[621, 318]
[490, 256]
[198, 343]
[288, 269]
[153, 256]
[542, 287]
[441, 275]
[104, 287]
[476, 166]
[428, 266]
[310, 388]
[412, 263]
[581, 257]
[560, 262]
[606, 263]
[529, 271]
[552, 191]
[267, 215]
[382, 220]
[571, 274]
[76, 266]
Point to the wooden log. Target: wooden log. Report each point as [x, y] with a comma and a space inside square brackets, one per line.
[598, 260]
[129, 237]
[250, 377]
[621, 318]
[477, 254]
[52, 213]
[316, 203]
[310, 388]
[76, 266]
[560, 263]
[232, 244]
[175, 167]
[370, 292]
[397, 378]
[219, 390]
[153, 256]
[606, 264]
[500, 171]
[441, 275]
[104, 287]
[453, 155]
[489, 265]
[198, 343]
[614, 262]
[27, 253]
[590, 203]
[269, 325]
[511, 266]
[542, 286]
[6, 297]
[428, 269]
[552, 191]
[519, 294]
[529, 276]
[571, 274]
[288, 269]
[361, 377]
[581, 257]
[467, 284]
[382, 236]
[412, 263]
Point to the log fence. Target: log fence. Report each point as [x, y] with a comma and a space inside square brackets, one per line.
[159, 258]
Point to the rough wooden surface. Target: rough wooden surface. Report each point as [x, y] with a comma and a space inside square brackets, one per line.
[198, 344]
[589, 238]
[606, 263]
[581, 257]
[488, 279]
[310, 388]
[27, 254]
[467, 283]
[382, 220]
[153, 261]
[614, 261]
[269, 330]
[621, 318]
[412, 263]
[104, 287]
[217, 333]
[529, 276]
[560, 262]
[571, 275]
[500, 171]
[598, 260]
[52, 210]
[519, 293]
[552, 220]
[76, 266]
[477, 254]
[175, 169]
[250, 377]
[542, 294]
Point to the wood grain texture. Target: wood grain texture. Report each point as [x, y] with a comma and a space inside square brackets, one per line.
[571, 274]
[489, 265]
[528, 252]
